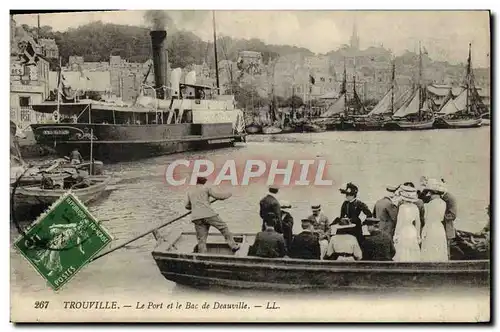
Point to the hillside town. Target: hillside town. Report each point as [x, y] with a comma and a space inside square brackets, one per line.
[283, 76]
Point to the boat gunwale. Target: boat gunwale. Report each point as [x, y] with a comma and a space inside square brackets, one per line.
[309, 264]
[320, 265]
[103, 181]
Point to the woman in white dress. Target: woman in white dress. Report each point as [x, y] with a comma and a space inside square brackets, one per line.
[434, 243]
[407, 233]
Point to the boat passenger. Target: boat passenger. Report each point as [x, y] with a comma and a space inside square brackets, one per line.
[306, 244]
[352, 208]
[75, 157]
[377, 246]
[386, 210]
[82, 180]
[407, 233]
[343, 246]
[321, 227]
[420, 204]
[203, 216]
[434, 240]
[449, 216]
[47, 182]
[268, 243]
[271, 204]
[286, 223]
[486, 228]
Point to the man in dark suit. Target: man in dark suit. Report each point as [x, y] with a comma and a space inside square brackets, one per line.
[286, 223]
[306, 244]
[386, 209]
[377, 246]
[268, 243]
[271, 204]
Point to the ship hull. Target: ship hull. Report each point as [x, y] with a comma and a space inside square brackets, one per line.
[114, 143]
[409, 125]
[459, 123]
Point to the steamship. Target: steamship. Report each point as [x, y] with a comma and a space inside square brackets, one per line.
[181, 117]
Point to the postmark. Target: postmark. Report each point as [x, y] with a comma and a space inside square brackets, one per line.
[62, 240]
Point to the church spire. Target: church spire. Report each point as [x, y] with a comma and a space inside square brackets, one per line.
[354, 37]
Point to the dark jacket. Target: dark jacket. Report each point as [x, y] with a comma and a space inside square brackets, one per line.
[268, 244]
[387, 212]
[287, 227]
[270, 204]
[378, 246]
[305, 246]
[450, 215]
[352, 210]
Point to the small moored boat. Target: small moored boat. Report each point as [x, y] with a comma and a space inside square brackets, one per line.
[177, 261]
[268, 130]
[34, 195]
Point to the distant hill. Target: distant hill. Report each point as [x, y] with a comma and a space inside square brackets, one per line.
[96, 41]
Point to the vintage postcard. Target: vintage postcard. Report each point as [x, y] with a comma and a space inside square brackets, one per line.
[250, 166]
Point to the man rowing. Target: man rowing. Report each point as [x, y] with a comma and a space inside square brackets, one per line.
[203, 216]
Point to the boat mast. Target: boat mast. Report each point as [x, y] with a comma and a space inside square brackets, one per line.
[420, 101]
[215, 51]
[393, 78]
[59, 90]
[344, 89]
[467, 80]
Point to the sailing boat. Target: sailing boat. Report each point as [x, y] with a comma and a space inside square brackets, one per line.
[383, 111]
[415, 113]
[272, 128]
[335, 117]
[465, 110]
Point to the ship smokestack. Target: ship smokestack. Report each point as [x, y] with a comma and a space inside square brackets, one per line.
[160, 61]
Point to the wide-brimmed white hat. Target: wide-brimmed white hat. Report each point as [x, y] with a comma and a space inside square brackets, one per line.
[408, 194]
[435, 185]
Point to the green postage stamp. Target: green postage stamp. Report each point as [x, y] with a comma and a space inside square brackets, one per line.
[63, 240]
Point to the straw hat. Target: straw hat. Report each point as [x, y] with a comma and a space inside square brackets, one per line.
[392, 189]
[316, 208]
[344, 223]
[408, 194]
[285, 205]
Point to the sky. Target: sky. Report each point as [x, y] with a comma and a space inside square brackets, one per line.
[445, 34]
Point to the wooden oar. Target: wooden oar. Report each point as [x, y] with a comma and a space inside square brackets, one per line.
[145, 233]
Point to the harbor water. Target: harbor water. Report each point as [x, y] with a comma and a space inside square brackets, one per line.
[141, 199]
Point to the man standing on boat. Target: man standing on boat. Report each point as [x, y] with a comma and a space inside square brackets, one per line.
[75, 157]
[286, 223]
[449, 216]
[203, 216]
[271, 204]
[386, 210]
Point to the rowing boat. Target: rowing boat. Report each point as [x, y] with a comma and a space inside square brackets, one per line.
[176, 259]
[33, 195]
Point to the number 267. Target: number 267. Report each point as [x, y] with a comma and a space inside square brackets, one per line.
[41, 304]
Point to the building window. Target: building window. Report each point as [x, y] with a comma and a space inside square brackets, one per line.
[24, 101]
